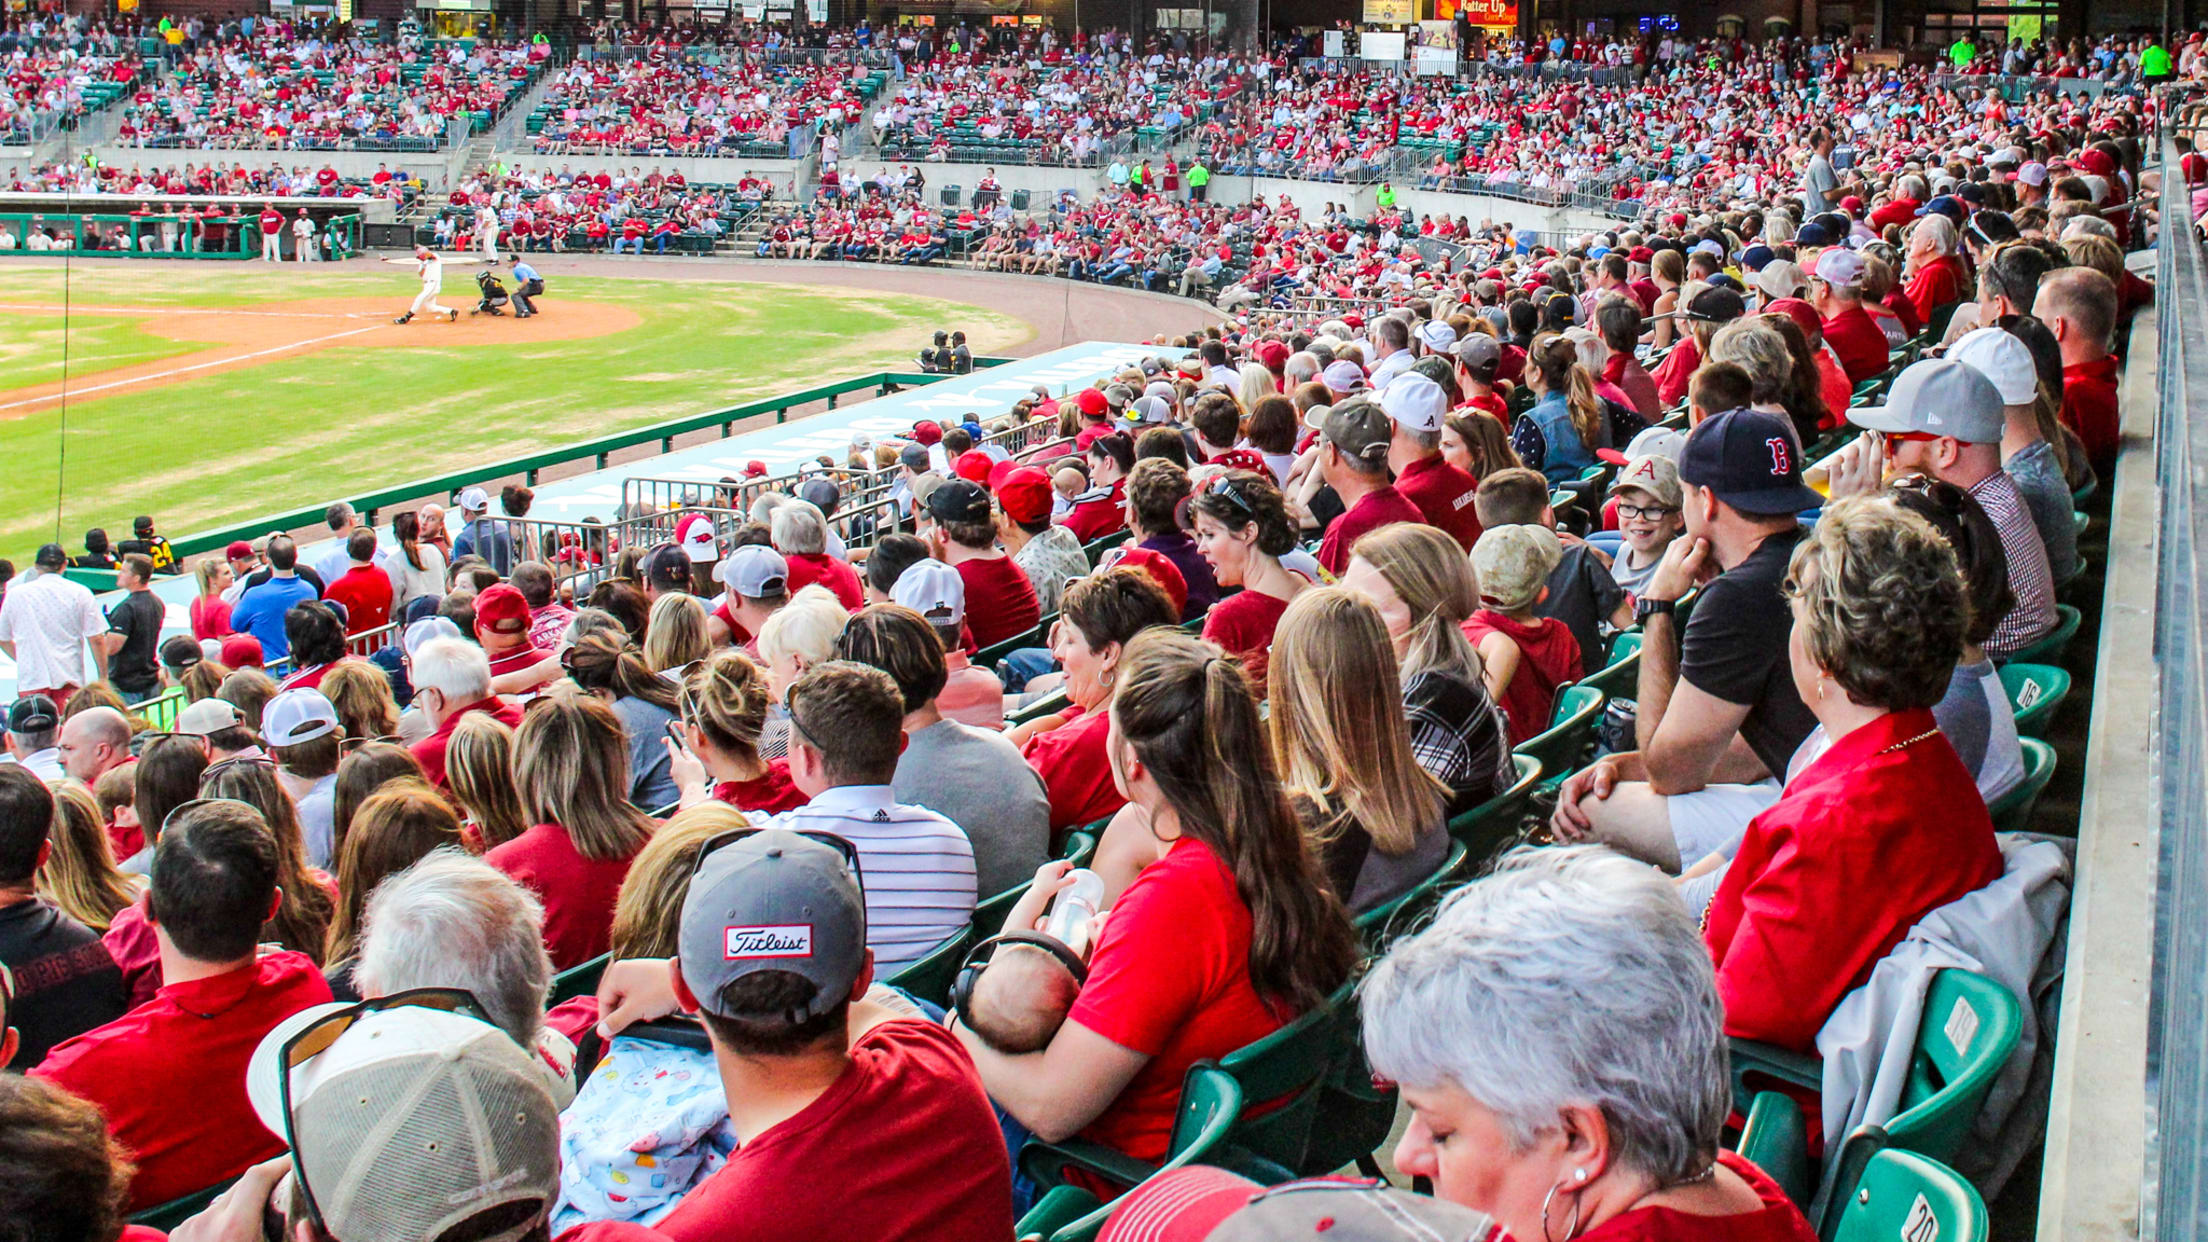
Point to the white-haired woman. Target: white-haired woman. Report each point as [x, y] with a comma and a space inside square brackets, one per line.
[800, 532]
[1557, 1034]
[799, 635]
[1932, 277]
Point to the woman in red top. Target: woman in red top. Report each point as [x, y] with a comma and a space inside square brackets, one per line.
[1099, 616]
[571, 764]
[1933, 275]
[1242, 531]
[1556, 1034]
[1228, 932]
[210, 612]
[1879, 616]
[724, 708]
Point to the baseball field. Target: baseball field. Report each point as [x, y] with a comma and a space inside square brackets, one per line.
[209, 392]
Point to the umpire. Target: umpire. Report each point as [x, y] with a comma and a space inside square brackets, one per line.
[527, 286]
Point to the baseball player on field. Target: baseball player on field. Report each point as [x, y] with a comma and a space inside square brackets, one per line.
[432, 271]
[486, 230]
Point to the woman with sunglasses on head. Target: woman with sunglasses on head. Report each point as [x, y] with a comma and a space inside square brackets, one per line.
[1242, 530]
[714, 753]
[604, 664]
[571, 765]
[1227, 934]
[308, 896]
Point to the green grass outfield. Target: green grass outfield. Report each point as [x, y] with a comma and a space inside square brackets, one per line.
[294, 430]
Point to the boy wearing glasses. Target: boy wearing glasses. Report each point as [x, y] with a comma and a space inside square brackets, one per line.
[1647, 492]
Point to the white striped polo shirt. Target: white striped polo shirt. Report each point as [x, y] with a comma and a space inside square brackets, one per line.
[917, 868]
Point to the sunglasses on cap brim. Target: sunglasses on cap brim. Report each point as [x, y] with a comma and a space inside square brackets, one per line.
[316, 1037]
[840, 845]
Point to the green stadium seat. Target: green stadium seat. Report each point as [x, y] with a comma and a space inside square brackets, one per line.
[931, 976]
[1562, 747]
[1487, 829]
[579, 980]
[1211, 1102]
[2012, 811]
[1906, 1196]
[2035, 691]
[2051, 646]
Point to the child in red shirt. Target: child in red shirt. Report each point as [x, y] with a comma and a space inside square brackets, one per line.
[1527, 657]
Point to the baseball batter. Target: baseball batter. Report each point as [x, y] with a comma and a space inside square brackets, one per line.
[486, 230]
[432, 271]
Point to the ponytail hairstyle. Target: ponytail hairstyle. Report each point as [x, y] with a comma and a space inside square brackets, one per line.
[407, 529]
[1190, 717]
[1557, 358]
[606, 660]
[726, 698]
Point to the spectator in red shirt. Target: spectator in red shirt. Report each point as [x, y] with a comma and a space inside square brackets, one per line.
[451, 678]
[1416, 406]
[571, 763]
[801, 536]
[1355, 437]
[1836, 294]
[1619, 322]
[1100, 510]
[724, 709]
[364, 589]
[2078, 305]
[1242, 531]
[1101, 615]
[1000, 602]
[1524, 657]
[214, 882]
[1879, 615]
[857, 1107]
[1933, 276]
[502, 627]
[1533, 955]
[65, 983]
[1227, 931]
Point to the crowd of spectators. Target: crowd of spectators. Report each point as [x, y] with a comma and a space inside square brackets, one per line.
[1263, 612]
[52, 68]
[695, 100]
[215, 178]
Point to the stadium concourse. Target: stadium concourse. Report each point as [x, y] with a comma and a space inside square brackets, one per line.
[1633, 735]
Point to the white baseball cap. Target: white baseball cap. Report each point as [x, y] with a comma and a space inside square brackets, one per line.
[474, 500]
[1436, 335]
[297, 716]
[208, 716]
[426, 630]
[1415, 402]
[2003, 358]
[754, 571]
[695, 535]
[934, 590]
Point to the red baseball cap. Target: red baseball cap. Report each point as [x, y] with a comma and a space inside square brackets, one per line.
[1025, 494]
[242, 651]
[1804, 316]
[238, 550]
[927, 432]
[1091, 401]
[1274, 354]
[1242, 459]
[754, 469]
[500, 609]
[974, 464]
[1640, 254]
[1161, 570]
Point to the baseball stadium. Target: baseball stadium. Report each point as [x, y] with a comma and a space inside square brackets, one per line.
[965, 620]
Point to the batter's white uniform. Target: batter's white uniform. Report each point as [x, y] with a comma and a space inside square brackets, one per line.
[302, 232]
[432, 272]
[486, 232]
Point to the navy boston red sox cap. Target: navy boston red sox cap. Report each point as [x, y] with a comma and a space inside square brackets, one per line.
[1750, 460]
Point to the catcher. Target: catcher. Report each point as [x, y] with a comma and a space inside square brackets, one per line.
[494, 299]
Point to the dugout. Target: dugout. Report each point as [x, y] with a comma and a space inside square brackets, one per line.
[183, 227]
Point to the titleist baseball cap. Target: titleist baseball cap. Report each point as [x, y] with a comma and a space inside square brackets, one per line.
[773, 900]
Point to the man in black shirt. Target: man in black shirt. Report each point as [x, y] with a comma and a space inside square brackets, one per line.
[1718, 714]
[134, 631]
[64, 981]
[143, 539]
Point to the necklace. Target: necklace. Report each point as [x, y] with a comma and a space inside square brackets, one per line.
[1910, 741]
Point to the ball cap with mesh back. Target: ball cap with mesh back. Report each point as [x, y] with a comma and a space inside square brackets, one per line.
[693, 534]
[473, 500]
[959, 500]
[1202, 1204]
[934, 590]
[1941, 397]
[1748, 458]
[775, 901]
[413, 1121]
[1025, 494]
[2003, 358]
[754, 571]
[501, 609]
[297, 716]
[207, 716]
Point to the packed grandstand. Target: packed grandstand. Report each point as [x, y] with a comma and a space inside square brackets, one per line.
[1306, 745]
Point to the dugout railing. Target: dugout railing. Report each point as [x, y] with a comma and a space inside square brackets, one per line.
[164, 236]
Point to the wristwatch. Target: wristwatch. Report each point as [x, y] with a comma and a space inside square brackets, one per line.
[1644, 609]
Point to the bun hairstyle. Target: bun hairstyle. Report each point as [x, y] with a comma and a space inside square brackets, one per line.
[1240, 498]
[726, 697]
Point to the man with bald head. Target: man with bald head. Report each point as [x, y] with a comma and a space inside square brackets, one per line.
[92, 742]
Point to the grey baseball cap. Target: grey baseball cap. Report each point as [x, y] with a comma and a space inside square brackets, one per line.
[1359, 428]
[1478, 350]
[774, 900]
[1941, 397]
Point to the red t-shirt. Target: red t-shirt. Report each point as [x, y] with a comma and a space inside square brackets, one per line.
[1676, 371]
[577, 892]
[1491, 403]
[1790, 932]
[904, 1141]
[1935, 285]
[366, 593]
[1856, 338]
[430, 751]
[1444, 495]
[1242, 625]
[1170, 979]
[1548, 656]
[1075, 771]
[1381, 507]
[1778, 1220]
[838, 576]
[772, 792]
[2089, 408]
[170, 1074]
[1000, 602]
[1094, 519]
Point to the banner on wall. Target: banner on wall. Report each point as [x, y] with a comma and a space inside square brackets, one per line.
[1492, 14]
[1380, 45]
[1333, 44]
[1390, 13]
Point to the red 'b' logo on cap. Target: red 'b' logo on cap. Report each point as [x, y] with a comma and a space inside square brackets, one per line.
[1781, 456]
